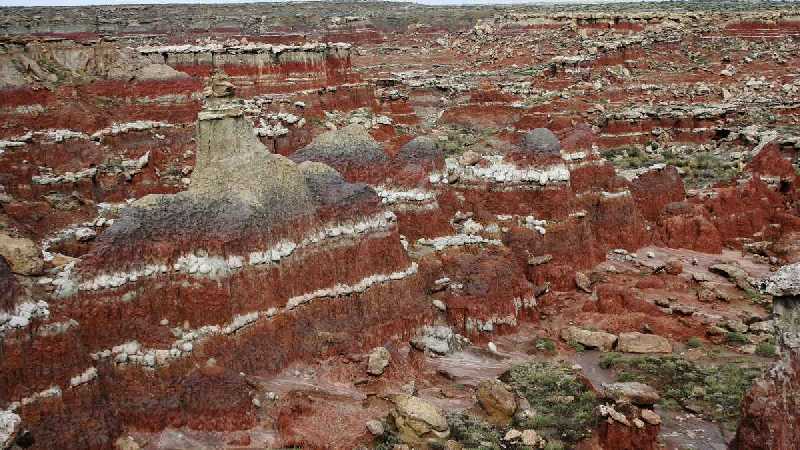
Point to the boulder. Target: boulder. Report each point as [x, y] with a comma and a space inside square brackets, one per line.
[219, 86]
[438, 339]
[643, 343]
[378, 361]
[583, 282]
[375, 427]
[733, 273]
[634, 392]
[470, 158]
[21, 254]
[592, 339]
[531, 438]
[453, 445]
[418, 423]
[539, 260]
[10, 424]
[650, 417]
[512, 435]
[126, 443]
[497, 401]
[673, 267]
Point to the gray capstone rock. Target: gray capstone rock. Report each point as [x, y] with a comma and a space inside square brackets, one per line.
[785, 282]
[541, 140]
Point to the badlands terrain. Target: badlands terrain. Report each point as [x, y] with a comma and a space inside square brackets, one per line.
[394, 226]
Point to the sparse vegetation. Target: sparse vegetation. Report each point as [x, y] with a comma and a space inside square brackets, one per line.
[564, 406]
[698, 168]
[694, 342]
[736, 338]
[766, 349]
[713, 391]
[545, 345]
[577, 346]
[473, 432]
[386, 442]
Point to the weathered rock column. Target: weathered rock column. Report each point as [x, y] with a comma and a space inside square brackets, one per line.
[771, 409]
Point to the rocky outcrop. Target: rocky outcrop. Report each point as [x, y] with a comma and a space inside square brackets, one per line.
[769, 410]
[10, 425]
[476, 172]
[203, 277]
[418, 423]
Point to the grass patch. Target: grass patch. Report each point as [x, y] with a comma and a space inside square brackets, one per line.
[694, 342]
[473, 432]
[715, 391]
[577, 346]
[564, 407]
[766, 349]
[736, 338]
[545, 345]
[386, 442]
[699, 169]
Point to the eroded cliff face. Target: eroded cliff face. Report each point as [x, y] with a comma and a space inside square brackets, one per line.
[183, 287]
[769, 412]
[236, 236]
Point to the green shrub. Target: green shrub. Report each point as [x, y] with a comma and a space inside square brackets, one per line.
[577, 346]
[608, 360]
[386, 442]
[766, 349]
[694, 342]
[545, 345]
[554, 445]
[736, 338]
[473, 432]
[716, 391]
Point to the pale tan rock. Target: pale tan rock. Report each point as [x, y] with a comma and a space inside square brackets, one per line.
[650, 417]
[593, 339]
[22, 255]
[378, 361]
[126, 443]
[632, 391]
[375, 427]
[532, 439]
[453, 445]
[512, 435]
[643, 343]
[418, 423]
[60, 260]
[470, 158]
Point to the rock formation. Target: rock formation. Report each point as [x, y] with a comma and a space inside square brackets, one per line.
[769, 412]
[335, 225]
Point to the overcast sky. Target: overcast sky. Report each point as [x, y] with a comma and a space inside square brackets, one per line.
[124, 2]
